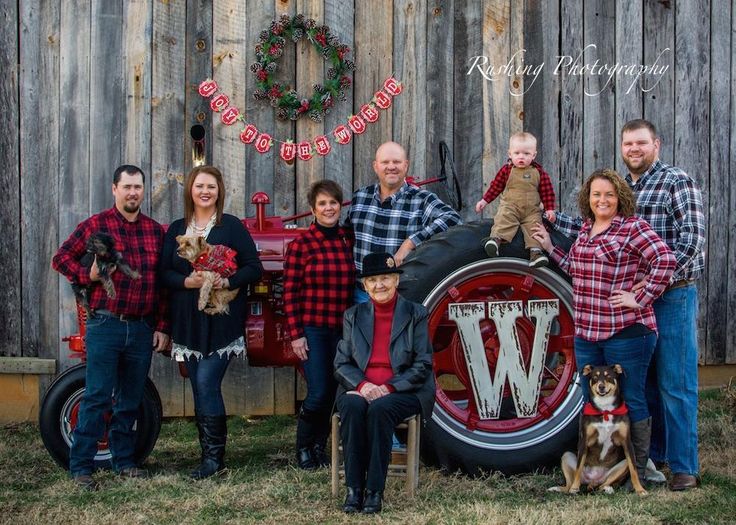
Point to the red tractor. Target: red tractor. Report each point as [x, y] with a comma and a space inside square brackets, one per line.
[507, 394]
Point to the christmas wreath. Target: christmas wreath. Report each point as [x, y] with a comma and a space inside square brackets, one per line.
[289, 103]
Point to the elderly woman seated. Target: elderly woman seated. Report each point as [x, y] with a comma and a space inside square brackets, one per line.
[384, 369]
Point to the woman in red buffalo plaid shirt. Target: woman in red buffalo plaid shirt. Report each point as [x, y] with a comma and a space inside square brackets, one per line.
[619, 266]
[319, 278]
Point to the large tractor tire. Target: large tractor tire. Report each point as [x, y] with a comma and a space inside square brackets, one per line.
[60, 410]
[452, 267]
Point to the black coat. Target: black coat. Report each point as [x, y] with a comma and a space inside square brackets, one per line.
[194, 329]
[410, 351]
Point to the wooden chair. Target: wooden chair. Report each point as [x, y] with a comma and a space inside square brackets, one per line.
[404, 460]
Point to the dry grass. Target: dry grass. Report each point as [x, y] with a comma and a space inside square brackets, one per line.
[263, 486]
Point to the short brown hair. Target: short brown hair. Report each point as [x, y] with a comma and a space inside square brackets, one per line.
[639, 123]
[330, 187]
[626, 199]
[189, 203]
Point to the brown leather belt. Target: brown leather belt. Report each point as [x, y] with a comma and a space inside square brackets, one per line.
[679, 284]
[122, 317]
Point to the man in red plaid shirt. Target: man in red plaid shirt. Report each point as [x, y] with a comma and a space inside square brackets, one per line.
[123, 330]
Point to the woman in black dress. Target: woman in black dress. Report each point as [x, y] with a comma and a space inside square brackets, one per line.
[206, 342]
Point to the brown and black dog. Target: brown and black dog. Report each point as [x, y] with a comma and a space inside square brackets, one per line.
[605, 452]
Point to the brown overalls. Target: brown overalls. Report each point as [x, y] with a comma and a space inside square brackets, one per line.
[519, 206]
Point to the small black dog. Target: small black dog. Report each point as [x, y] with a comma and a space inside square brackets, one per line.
[102, 246]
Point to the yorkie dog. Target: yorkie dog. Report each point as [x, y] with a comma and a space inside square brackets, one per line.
[101, 245]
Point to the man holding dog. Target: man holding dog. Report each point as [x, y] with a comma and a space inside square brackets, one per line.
[123, 330]
[393, 216]
[671, 202]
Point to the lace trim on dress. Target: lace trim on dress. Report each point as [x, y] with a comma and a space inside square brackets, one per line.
[234, 348]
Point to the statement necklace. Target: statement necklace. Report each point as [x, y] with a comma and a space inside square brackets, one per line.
[204, 230]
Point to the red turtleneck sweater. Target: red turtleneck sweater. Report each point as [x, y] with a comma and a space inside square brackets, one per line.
[379, 369]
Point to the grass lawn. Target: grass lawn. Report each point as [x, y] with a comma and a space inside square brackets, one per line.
[264, 486]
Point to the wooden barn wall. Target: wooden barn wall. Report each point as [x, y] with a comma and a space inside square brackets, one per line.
[90, 84]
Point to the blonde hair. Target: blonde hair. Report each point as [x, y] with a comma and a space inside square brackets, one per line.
[523, 136]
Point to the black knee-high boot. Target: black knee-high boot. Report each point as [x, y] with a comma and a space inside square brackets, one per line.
[306, 428]
[212, 439]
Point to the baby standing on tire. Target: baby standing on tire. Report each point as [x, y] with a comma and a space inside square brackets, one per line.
[522, 184]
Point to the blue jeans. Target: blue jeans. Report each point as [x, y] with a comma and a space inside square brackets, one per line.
[633, 355]
[673, 388]
[205, 376]
[319, 368]
[118, 358]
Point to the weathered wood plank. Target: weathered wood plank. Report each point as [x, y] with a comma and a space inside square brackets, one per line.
[468, 113]
[731, 220]
[440, 91]
[410, 66]
[571, 109]
[598, 103]
[257, 383]
[374, 64]
[495, 96]
[168, 122]
[338, 164]
[169, 147]
[310, 69]
[198, 67]
[629, 50]
[659, 99]
[39, 187]
[715, 310]
[229, 67]
[10, 278]
[282, 184]
[517, 80]
[283, 192]
[74, 126]
[136, 63]
[106, 100]
[542, 90]
[692, 117]
[27, 365]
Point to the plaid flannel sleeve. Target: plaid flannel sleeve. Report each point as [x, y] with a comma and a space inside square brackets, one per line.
[567, 225]
[498, 184]
[687, 210]
[660, 261]
[546, 191]
[437, 217]
[66, 260]
[293, 277]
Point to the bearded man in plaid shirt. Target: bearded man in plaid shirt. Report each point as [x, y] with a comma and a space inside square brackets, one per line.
[392, 216]
[671, 202]
[123, 330]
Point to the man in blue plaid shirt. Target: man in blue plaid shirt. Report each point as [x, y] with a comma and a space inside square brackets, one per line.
[671, 202]
[392, 216]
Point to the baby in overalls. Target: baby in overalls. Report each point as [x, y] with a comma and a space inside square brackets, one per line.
[522, 184]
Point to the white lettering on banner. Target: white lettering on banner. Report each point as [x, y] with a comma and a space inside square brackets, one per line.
[525, 385]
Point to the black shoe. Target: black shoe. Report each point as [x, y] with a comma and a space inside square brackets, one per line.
[373, 502]
[212, 438]
[353, 501]
[321, 458]
[305, 459]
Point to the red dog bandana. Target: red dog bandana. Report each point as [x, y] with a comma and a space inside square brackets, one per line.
[590, 410]
[220, 259]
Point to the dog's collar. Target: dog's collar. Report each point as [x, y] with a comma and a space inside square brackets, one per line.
[590, 410]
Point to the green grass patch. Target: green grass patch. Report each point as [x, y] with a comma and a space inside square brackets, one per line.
[263, 485]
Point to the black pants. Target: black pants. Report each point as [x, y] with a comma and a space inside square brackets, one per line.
[366, 430]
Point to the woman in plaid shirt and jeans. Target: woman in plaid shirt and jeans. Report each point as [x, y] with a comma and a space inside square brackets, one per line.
[614, 251]
[319, 277]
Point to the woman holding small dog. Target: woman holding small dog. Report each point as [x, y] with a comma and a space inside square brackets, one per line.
[203, 339]
[319, 279]
[619, 266]
[384, 367]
